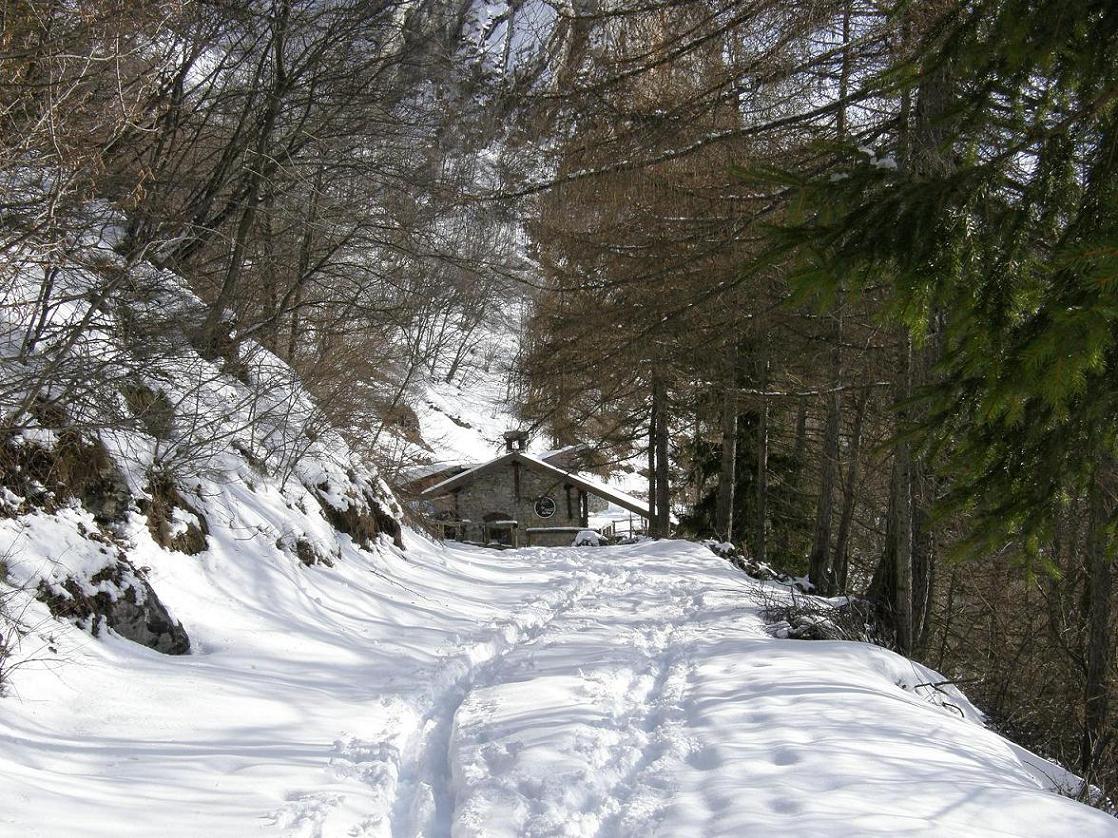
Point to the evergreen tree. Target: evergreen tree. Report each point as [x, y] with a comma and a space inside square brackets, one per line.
[992, 217]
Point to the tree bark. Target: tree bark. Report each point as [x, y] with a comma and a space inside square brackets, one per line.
[841, 562]
[819, 569]
[663, 499]
[652, 420]
[270, 332]
[784, 530]
[923, 550]
[1103, 501]
[760, 506]
[727, 471]
[901, 508]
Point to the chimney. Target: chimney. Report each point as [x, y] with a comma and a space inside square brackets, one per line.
[516, 440]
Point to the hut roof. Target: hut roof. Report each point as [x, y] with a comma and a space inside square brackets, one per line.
[529, 461]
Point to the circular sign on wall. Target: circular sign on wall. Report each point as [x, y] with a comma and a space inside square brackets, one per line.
[545, 506]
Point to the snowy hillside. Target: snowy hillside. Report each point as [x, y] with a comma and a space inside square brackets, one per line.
[464, 422]
[438, 691]
[126, 442]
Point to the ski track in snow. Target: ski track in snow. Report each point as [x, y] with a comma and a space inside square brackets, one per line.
[425, 799]
[585, 693]
[416, 773]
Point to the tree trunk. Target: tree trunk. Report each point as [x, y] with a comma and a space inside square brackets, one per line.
[760, 506]
[819, 570]
[727, 471]
[663, 499]
[463, 348]
[652, 420]
[1100, 581]
[901, 506]
[270, 333]
[784, 530]
[923, 551]
[841, 562]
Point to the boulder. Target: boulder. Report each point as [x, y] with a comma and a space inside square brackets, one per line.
[123, 601]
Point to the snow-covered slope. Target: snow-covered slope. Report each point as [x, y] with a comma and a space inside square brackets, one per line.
[122, 439]
[464, 422]
[457, 691]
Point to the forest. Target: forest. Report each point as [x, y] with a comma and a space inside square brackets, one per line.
[839, 278]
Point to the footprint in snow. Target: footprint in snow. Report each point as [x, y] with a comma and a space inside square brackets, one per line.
[784, 806]
[306, 809]
[705, 759]
[786, 756]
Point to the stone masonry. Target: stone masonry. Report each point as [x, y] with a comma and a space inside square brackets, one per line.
[510, 492]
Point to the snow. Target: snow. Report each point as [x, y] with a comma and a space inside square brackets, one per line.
[450, 690]
[587, 538]
[52, 549]
[464, 422]
[443, 690]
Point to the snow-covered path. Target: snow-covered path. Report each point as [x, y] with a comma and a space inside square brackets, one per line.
[462, 692]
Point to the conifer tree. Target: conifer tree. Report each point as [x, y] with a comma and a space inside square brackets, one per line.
[996, 231]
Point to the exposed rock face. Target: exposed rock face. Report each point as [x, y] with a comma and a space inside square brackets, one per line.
[48, 479]
[358, 512]
[309, 555]
[126, 603]
[147, 622]
[173, 522]
[74, 467]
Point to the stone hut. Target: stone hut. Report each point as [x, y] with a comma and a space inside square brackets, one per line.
[520, 500]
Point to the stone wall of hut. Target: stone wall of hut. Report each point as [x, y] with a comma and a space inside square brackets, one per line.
[511, 492]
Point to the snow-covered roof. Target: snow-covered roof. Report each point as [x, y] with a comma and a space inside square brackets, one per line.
[533, 462]
[547, 456]
[410, 474]
[421, 471]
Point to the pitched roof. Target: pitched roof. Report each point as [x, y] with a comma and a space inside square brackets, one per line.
[565, 451]
[411, 474]
[529, 461]
[422, 471]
